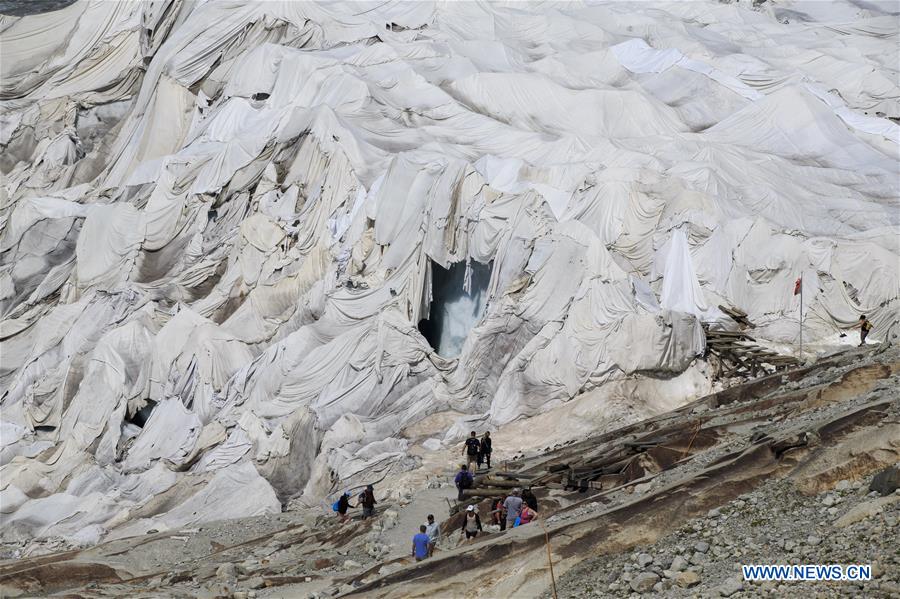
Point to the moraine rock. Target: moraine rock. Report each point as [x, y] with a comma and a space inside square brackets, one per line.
[886, 482]
[226, 572]
[644, 582]
[687, 579]
[678, 564]
[730, 587]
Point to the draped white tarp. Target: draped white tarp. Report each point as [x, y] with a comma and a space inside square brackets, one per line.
[219, 225]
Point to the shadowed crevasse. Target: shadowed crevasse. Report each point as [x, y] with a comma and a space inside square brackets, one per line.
[455, 306]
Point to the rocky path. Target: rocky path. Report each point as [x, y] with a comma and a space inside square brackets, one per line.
[774, 524]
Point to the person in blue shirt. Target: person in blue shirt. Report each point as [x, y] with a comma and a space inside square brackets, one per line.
[420, 544]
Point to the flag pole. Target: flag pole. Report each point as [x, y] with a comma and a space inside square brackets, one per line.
[801, 317]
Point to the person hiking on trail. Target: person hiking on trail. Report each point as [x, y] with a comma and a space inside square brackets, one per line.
[513, 506]
[485, 454]
[433, 530]
[529, 498]
[341, 506]
[471, 525]
[498, 513]
[471, 449]
[463, 481]
[527, 515]
[864, 326]
[420, 545]
[367, 501]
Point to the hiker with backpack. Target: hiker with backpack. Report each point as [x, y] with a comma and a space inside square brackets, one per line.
[864, 325]
[367, 501]
[471, 524]
[340, 506]
[471, 449]
[463, 480]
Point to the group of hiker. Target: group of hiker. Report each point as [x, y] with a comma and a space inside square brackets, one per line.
[517, 509]
[477, 452]
[426, 540]
[365, 500]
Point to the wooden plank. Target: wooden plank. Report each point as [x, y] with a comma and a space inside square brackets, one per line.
[485, 492]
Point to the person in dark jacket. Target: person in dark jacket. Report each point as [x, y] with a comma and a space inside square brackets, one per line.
[342, 504]
[367, 501]
[471, 524]
[463, 481]
[529, 498]
[485, 454]
[471, 449]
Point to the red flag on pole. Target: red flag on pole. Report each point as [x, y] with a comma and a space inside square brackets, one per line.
[797, 285]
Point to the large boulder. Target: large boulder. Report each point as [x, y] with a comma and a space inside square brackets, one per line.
[886, 482]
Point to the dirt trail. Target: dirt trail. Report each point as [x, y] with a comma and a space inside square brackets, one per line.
[412, 515]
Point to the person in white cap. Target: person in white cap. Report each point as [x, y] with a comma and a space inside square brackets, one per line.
[471, 525]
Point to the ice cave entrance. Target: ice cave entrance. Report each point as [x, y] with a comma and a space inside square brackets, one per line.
[454, 311]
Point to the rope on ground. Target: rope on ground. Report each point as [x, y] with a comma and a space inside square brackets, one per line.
[549, 557]
[691, 442]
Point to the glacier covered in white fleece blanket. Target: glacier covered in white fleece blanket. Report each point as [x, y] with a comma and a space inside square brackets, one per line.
[232, 212]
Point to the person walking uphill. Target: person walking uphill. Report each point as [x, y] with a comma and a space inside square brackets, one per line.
[513, 506]
[420, 545]
[463, 480]
[471, 525]
[864, 326]
[367, 501]
[433, 530]
[485, 455]
[341, 505]
[471, 449]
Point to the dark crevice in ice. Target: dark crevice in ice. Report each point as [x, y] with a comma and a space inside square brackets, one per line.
[141, 417]
[454, 311]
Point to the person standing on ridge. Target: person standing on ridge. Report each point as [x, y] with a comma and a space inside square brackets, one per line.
[463, 481]
[471, 449]
[420, 545]
[485, 454]
[864, 326]
[367, 501]
[433, 530]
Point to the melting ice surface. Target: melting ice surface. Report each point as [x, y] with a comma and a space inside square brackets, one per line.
[454, 311]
